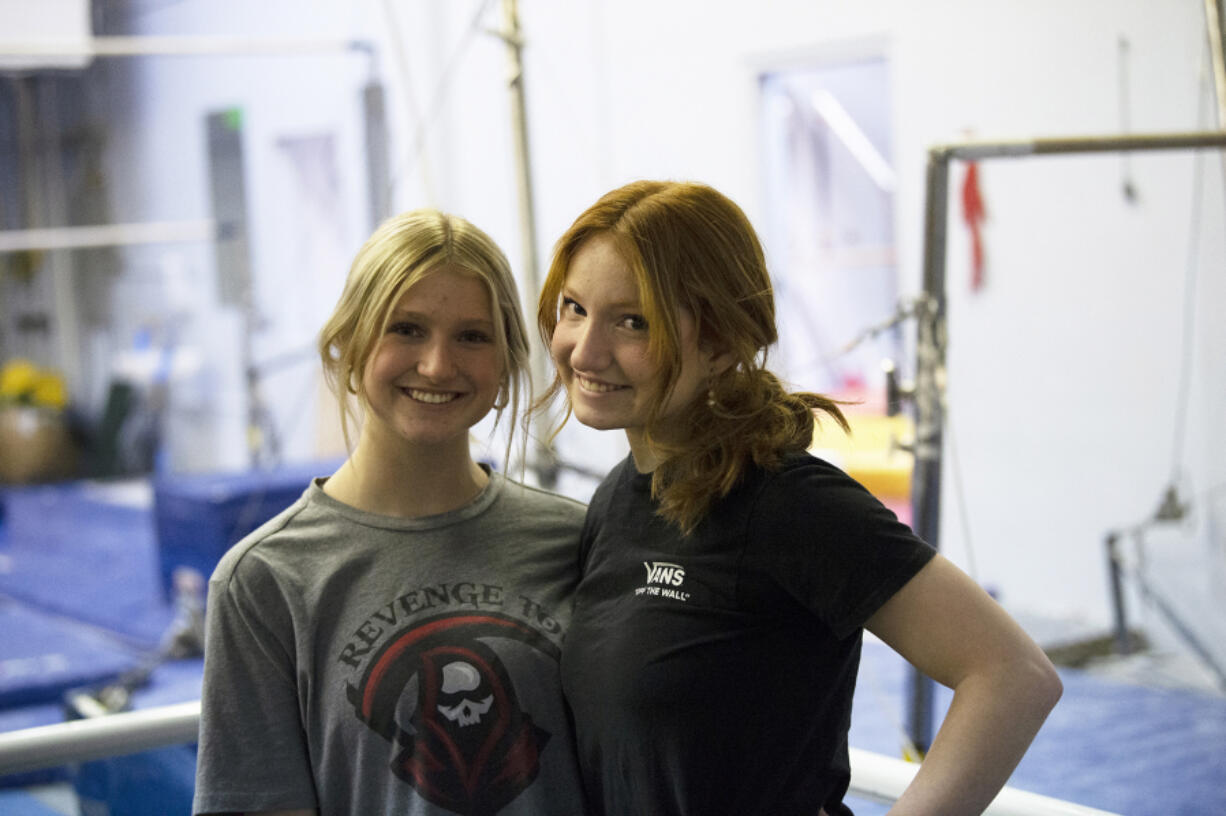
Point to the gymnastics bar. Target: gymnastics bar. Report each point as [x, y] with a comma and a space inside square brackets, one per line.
[880, 778]
[873, 776]
[106, 235]
[932, 338]
[176, 46]
[97, 737]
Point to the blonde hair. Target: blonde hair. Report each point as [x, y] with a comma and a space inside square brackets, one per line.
[400, 253]
[690, 247]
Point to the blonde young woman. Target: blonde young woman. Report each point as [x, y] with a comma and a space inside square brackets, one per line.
[728, 575]
[389, 644]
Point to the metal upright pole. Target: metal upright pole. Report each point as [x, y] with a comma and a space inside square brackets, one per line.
[929, 411]
[374, 115]
[929, 395]
[1215, 23]
[1123, 641]
[543, 460]
[1215, 26]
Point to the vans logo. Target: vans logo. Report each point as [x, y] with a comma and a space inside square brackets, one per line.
[662, 572]
[663, 579]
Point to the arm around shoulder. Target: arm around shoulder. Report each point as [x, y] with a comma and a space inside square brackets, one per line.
[1004, 687]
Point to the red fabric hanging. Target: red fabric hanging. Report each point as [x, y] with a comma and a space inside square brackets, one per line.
[974, 214]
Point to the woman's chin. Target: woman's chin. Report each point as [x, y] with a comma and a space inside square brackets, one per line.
[598, 420]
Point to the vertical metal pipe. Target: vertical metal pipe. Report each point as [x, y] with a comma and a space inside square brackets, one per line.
[227, 178]
[377, 165]
[929, 409]
[544, 462]
[1123, 643]
[513, 37]
[930, 355]
[65, 342]
[1215, 24]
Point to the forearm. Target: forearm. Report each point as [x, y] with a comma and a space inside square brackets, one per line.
[991, 722]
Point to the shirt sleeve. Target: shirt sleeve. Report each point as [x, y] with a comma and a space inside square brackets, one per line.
[832, 545]
[253, 750]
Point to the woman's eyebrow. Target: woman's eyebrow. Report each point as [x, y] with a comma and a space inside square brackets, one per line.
[407, 314]
[620, 305]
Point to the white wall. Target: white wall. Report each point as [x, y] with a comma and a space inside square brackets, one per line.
[1063, 371]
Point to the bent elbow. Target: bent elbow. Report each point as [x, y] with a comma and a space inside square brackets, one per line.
[1046, 684]
[1056, 687]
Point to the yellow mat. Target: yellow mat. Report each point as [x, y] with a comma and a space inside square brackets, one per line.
[871, 454]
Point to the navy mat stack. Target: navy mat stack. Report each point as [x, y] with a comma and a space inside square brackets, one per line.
[198, 517]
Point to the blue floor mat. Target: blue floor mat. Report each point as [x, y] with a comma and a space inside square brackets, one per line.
[68, 550]
[42, 656]
[17, 803]
[1107, 744]
[1124, 748]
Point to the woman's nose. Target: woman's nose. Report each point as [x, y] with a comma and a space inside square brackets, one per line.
[436, 361]
[590, 351]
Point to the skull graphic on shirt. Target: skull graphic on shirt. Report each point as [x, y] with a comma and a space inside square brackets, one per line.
[467, 746]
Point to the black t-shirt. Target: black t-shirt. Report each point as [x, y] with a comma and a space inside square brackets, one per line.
[714, 674]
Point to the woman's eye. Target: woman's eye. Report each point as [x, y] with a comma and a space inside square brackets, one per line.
[406, 329]
[634, 322]
[476, 337]
[570, 306]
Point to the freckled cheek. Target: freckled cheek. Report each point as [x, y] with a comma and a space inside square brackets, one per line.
[494, 371]
[640, 370]
[378, 369]
[560, 347]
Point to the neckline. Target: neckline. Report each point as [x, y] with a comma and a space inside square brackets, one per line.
[478, 505]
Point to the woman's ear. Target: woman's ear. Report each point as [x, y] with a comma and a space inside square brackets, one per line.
[715, 355]
[718, 362]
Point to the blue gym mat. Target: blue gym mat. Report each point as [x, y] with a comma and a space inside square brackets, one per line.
[17, 803]
[103, 553]
[197, 517]
[74, 550]
[1108, 744]
[42, 656]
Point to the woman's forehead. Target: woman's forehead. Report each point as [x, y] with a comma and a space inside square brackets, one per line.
[461, 287]
[598, 267]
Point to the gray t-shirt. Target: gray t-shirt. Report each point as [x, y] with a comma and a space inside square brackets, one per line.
[361, 664]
